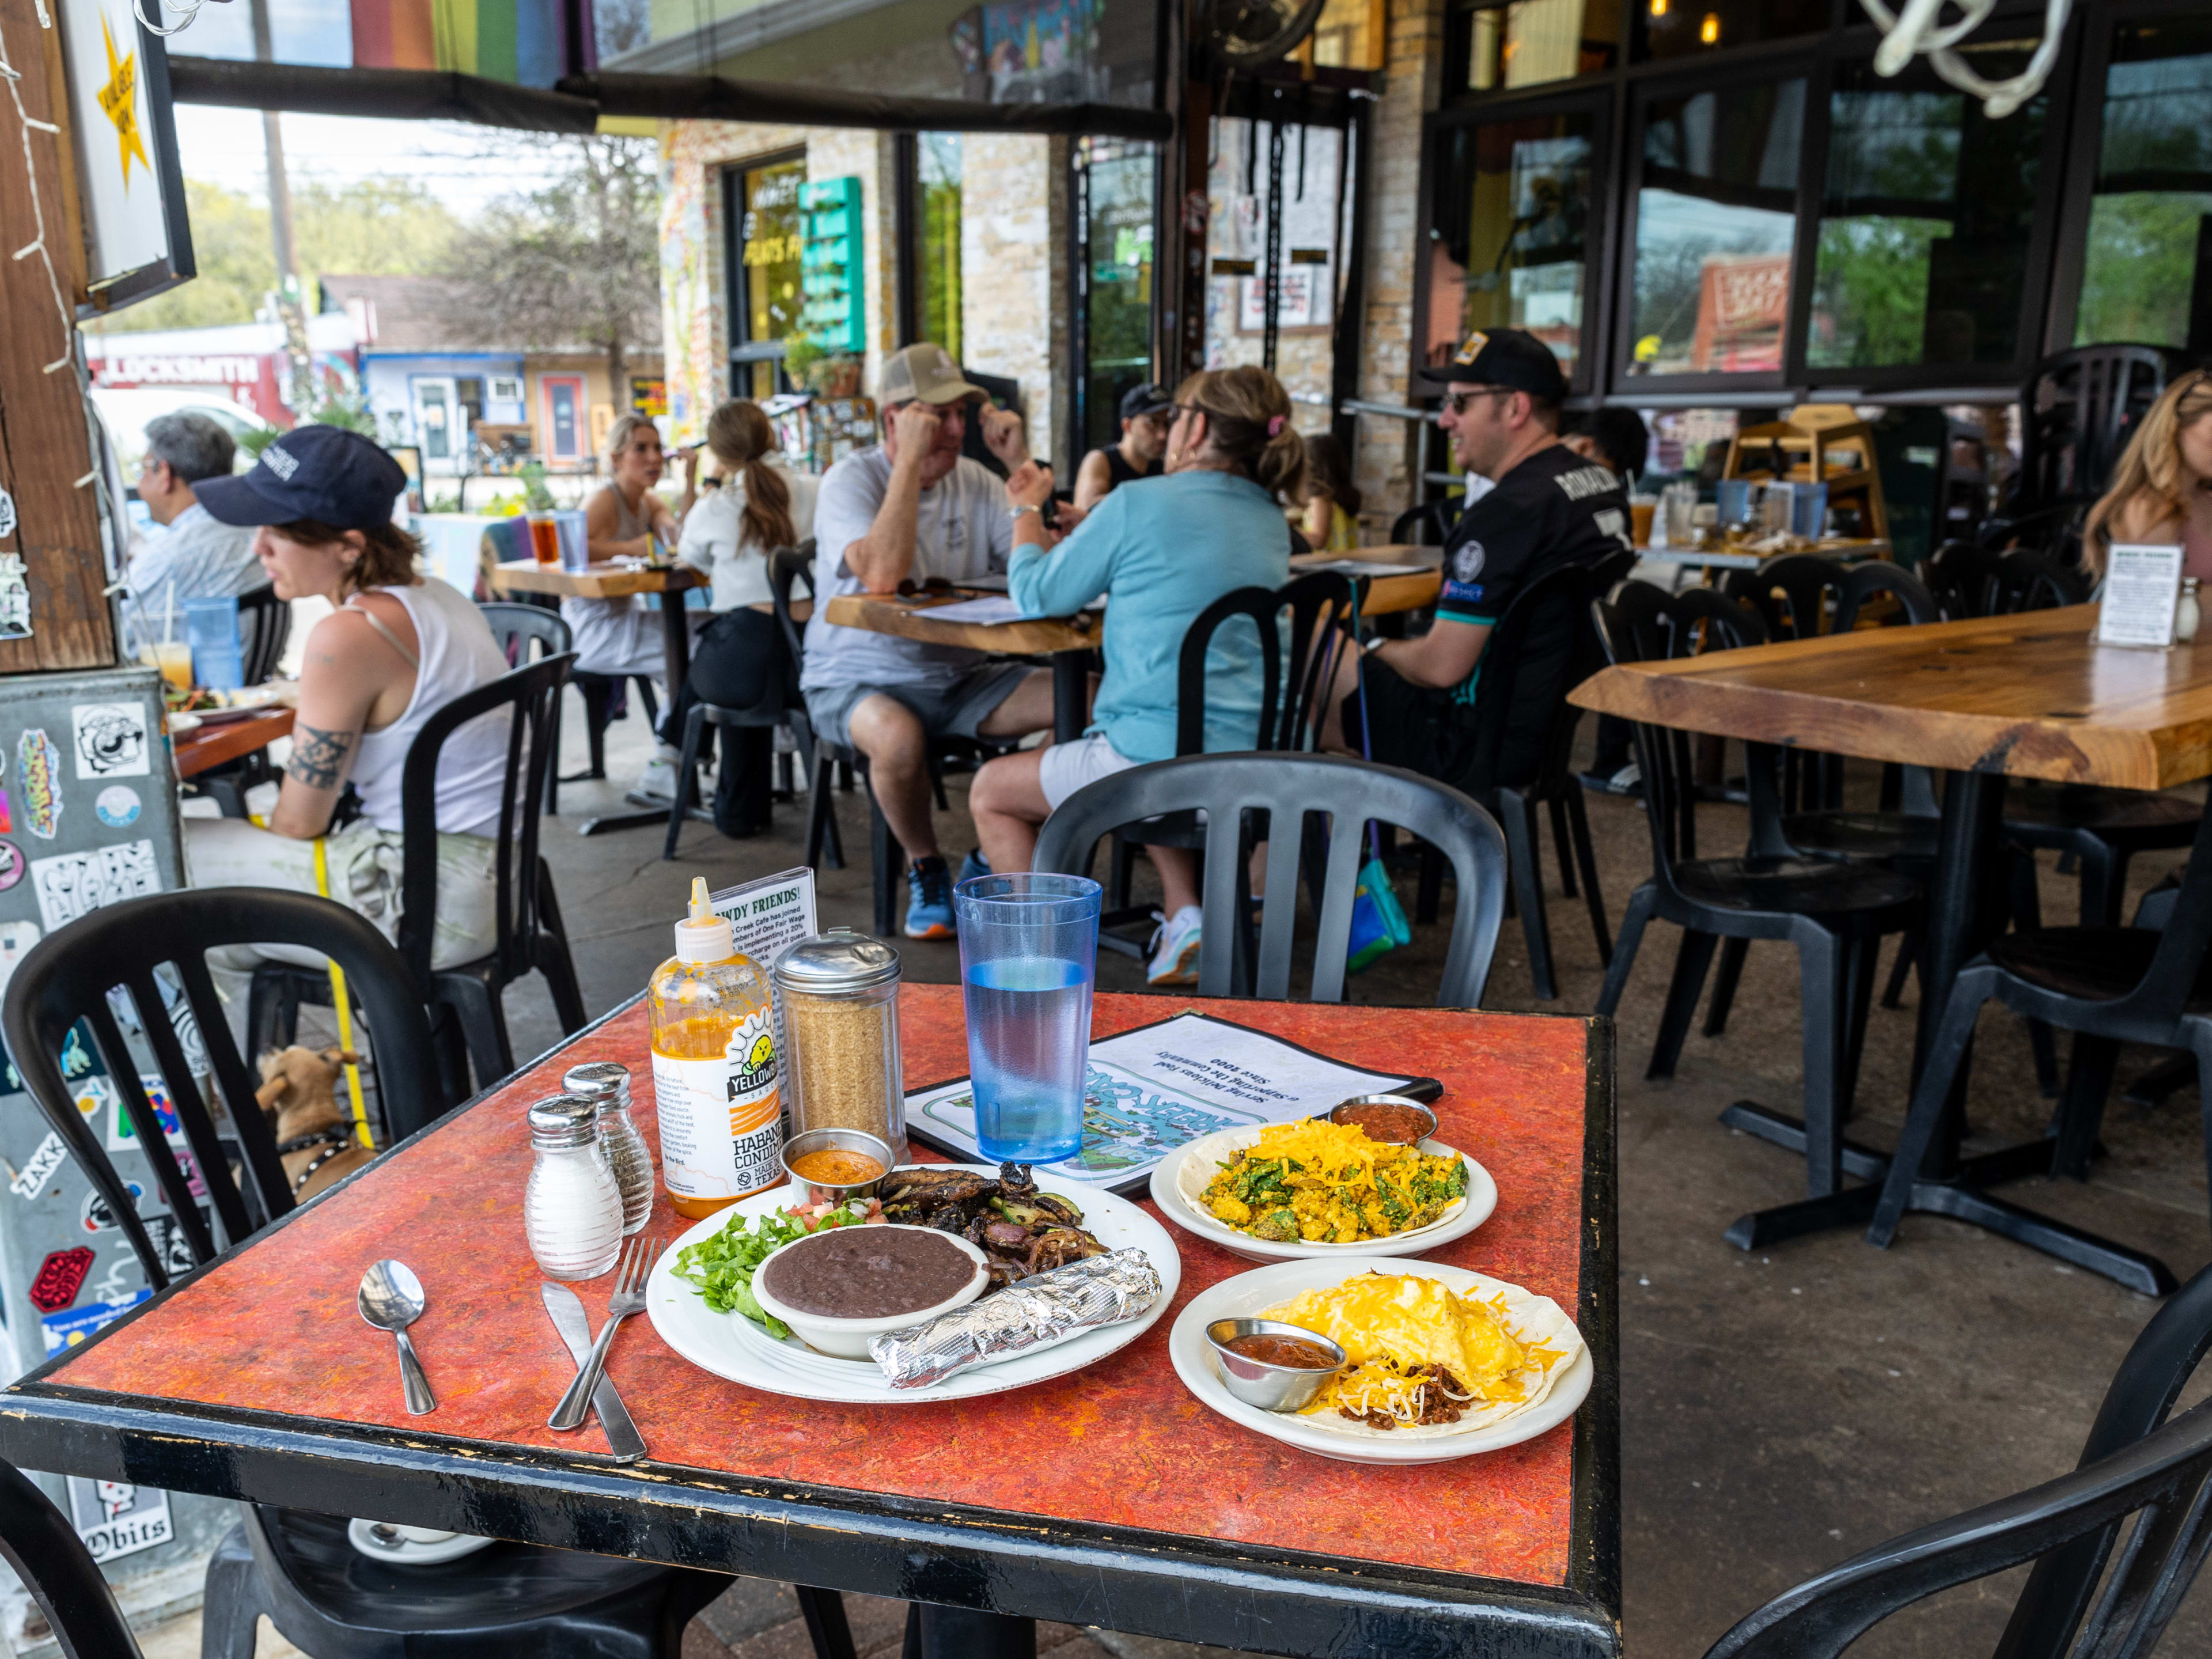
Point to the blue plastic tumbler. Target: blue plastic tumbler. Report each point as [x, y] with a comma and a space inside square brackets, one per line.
[1029, 956]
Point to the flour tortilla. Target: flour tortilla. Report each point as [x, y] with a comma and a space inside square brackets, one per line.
[1202, 1161]
[1532, 1319]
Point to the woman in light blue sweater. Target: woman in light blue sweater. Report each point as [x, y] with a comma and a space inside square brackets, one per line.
[1160, 551]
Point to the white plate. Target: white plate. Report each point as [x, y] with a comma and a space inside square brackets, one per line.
[1470, 1212]
[408, 1553]
[181, 723]
[729, 1344]
[1266, 1287]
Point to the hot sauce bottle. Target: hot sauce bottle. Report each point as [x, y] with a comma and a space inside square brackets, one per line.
[714, 1068]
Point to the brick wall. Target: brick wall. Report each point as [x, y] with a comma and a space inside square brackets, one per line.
[1013, 274]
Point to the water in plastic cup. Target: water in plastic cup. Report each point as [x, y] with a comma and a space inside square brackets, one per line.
[1029, 954]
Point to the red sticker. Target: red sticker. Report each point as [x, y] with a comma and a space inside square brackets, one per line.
[61, 1278]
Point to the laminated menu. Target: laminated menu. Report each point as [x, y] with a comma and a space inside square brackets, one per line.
[2142, 587]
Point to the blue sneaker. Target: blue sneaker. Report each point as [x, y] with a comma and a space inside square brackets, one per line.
[971, 866]
[928, 900]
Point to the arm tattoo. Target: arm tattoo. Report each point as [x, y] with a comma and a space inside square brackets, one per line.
[318, 756]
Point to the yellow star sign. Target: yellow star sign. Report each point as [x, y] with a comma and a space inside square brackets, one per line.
[119, 101]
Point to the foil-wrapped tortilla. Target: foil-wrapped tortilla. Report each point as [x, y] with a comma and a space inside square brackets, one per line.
[1100, 1289]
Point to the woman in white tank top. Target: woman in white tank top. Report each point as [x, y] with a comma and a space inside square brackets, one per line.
[396, 649]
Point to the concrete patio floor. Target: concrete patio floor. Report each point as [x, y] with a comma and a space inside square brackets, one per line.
[1779, 1412]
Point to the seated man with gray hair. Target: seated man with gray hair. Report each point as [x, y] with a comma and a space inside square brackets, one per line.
[188, 550]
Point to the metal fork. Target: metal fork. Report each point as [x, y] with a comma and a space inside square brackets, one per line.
[628, 1297]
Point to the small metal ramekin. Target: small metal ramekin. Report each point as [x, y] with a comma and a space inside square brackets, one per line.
[1271, 1387]
[1428, 1112]
[843, 1140]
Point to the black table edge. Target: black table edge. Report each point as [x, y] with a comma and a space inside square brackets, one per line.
[1594, 1546]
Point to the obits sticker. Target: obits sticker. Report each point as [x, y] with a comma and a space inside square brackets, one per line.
[116, 805]
[39, 775]
[61, 1278]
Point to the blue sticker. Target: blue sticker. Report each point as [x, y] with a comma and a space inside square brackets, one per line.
[116, 805]
[68, 1328]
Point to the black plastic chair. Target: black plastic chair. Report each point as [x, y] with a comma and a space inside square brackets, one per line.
[296, 1567]
[38, 1541]
[2108, 985]
[1427, 525]
[1231, 789]
[2136, 1463]
[515, 629]
[1835, 914]
[465, 998]
[1968, 580]
[2079, 409]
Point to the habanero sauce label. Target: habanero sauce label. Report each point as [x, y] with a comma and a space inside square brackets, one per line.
[722, 1119]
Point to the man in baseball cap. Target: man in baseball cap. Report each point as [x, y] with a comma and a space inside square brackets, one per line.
[324, 475]
[1546, 506]
[906, 510]
[1147, 411]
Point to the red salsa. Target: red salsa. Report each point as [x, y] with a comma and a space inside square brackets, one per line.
[1288, 1351]
[1395, 1126]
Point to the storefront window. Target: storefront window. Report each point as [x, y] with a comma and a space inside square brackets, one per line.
[1925, 221]
[1716, 216]
[1118, 302]
[1511, 239]
[1683, 28]
[2147, 271]
[1529, 43]
[770, 238]
[937, 256]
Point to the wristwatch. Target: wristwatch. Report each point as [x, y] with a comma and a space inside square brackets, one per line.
[1027, 506]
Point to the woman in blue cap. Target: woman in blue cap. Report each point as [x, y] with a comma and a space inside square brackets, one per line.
[396, 648]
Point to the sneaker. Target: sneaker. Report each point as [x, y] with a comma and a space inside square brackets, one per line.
[1628, 780]
[657, 780]
[971, 866]
[1175, 949]
[928, 900]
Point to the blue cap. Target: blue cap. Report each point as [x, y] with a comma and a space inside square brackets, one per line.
[322, 472]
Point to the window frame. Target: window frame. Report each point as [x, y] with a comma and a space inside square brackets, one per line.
[737, 299]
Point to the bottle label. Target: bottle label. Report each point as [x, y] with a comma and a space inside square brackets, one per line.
[722, 1119]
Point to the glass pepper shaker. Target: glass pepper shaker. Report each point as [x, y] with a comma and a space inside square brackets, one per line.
[606, 1082]
[572, 1210]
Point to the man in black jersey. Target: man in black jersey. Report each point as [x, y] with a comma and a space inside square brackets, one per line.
[1549, 506]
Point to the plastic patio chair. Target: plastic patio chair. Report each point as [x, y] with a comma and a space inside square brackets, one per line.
[1288, 787]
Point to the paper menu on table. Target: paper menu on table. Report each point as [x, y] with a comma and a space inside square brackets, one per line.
[1153, 1091]
[2142, 587]
[990, 609]
[765, 916]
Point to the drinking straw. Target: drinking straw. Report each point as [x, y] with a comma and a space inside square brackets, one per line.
[169, 614]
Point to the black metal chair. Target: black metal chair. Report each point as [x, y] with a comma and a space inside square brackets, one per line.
[2079, 410]
[2106, 984]
[1836, 914]
[515, 629]
[38, 1541]
[1231, 790]
[2136, 1463]
[469, 1021]
[296, 1567]
[1541, 649]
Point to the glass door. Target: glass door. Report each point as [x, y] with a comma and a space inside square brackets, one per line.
[563, 398]
[1113, 271]
[436, 428]
[766, 302]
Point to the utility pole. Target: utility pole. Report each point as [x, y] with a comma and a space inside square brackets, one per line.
[289, 307]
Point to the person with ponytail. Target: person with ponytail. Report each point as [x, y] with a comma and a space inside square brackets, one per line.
[2162, 491]
[750, 504]
[1159, 554]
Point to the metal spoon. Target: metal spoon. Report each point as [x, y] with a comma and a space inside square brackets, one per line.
[391, 1300]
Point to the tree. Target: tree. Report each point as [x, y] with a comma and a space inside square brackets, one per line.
[578, 262]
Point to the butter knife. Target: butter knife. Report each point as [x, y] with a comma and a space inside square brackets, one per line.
[569, 1318]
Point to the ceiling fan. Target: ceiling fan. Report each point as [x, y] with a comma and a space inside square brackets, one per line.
[1246, 33]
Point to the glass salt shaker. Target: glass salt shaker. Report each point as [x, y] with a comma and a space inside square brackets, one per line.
[572, 1210]
[2188, 614]
[606, 1082]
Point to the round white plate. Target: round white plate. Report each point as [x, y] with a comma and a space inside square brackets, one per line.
[1177, 1181]
[181, 723]
[729, 1344]
[1264, 1287]
[408, 1553]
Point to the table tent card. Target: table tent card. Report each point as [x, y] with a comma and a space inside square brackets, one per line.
[1154, 1090]
[2142, 587]
[766, 915]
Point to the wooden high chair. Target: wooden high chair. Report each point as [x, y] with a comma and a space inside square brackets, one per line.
[1807, 438]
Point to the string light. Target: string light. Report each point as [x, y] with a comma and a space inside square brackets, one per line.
[189, 10]
[1710, 30]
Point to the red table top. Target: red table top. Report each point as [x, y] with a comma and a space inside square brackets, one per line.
[1121, 1444]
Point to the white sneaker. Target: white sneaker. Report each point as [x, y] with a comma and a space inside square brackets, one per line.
[657, 780]
[1175, 949]
[785, 743]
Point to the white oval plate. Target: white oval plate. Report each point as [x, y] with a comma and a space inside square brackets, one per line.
[1264, 1287]
[729, 1344]
[1167, 1191]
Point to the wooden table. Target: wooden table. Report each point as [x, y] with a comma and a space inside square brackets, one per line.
[1068, 642]
[1830, 547]
[605, 581]
[2028, 695]
[1106, 1498]
[212, 743]
[1381, 596]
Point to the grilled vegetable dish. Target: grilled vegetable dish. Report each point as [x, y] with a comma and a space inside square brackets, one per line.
[1328, 1183]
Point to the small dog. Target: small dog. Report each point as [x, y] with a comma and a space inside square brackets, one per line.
[314, 1134]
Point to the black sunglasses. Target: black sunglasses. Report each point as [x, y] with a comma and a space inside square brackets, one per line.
[1457, 401]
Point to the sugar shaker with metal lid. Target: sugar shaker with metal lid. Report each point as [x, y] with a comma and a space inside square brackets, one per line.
[607, 1082]
[839, 991]
[572, 1210]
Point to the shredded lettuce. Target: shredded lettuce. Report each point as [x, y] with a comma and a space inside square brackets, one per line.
[722, 1267]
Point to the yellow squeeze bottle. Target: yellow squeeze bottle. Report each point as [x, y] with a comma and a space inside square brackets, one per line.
[714, 1068]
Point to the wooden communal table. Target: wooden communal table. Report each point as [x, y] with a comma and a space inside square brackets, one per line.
[1110, 1497]
[1391, 595]
[2028, 696]
[212, 743]
[1829, 547]
[615, 582]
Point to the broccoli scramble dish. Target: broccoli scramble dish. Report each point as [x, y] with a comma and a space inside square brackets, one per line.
[1327, 1183]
